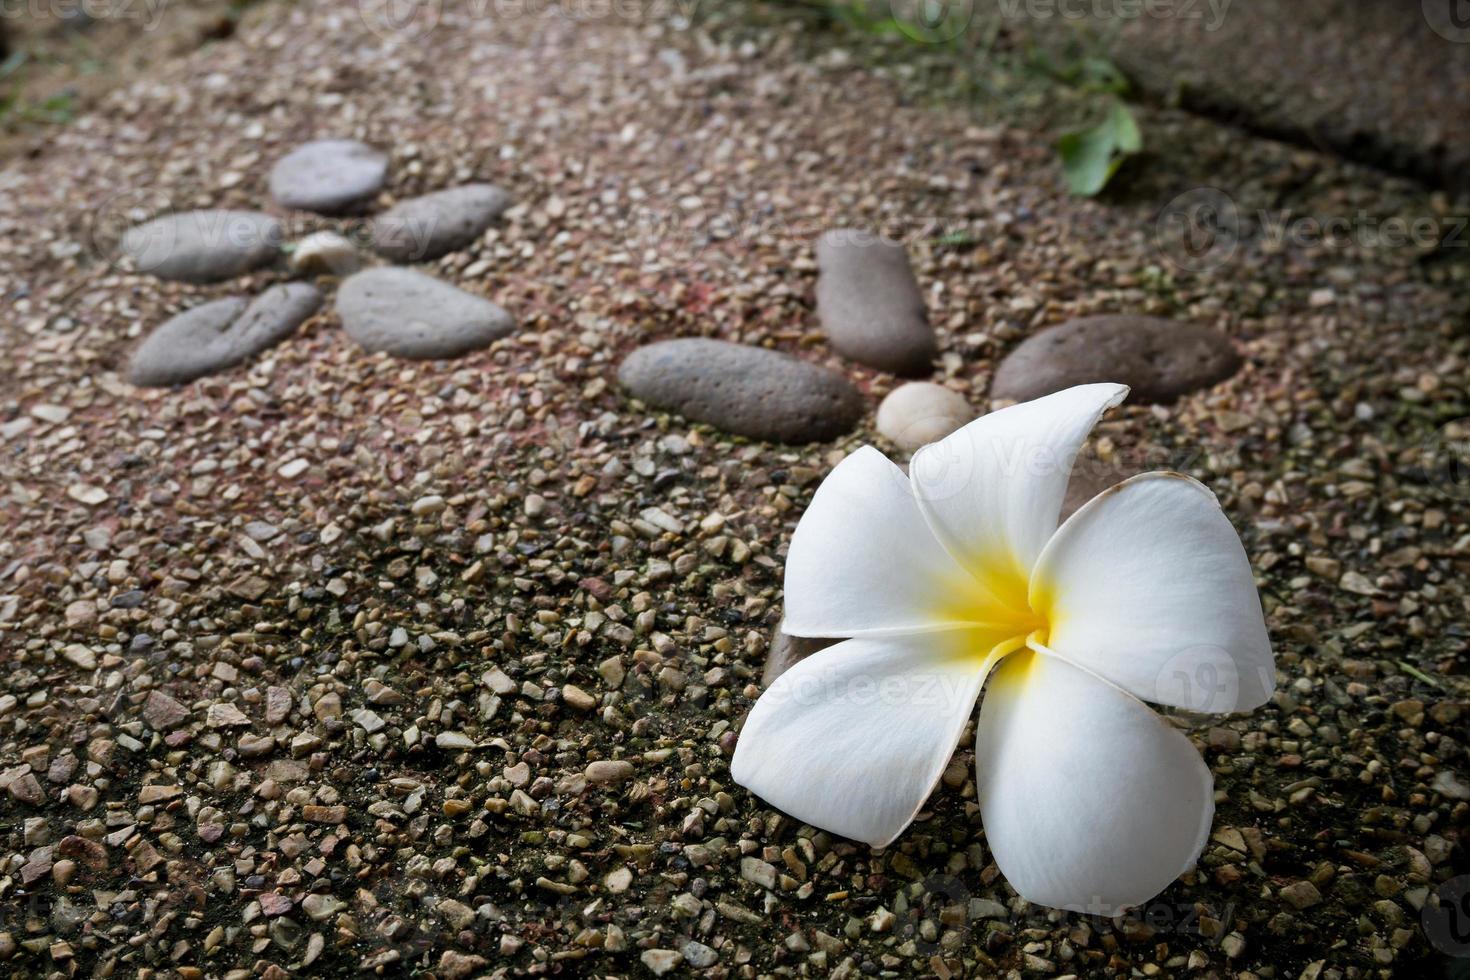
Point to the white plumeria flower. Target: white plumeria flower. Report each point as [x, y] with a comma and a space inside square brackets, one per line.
[1090, 801]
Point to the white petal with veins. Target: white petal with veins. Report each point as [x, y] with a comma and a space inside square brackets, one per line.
[862, 560]
[992, 491]
[854, 738]
[1148, 586]
[1090, 801]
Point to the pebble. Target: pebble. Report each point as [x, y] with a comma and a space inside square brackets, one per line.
[1159, 359]
[320, 908]
[27, 789]
[79, 656]
[1301, 895]
[1447, 784]
[606, 772]
[162, 712]
[221, 334]
[578, 698]
[423, 228]
[81, 612]
[758, 872]
[325, 252]
[261, 531]
[91, 853]
[222, 714]
[454, 965]
[203, 246]
[336, 813]
[661, 961]
[749, 391]
[410, 314]
[870, 305]
[454, 741]
[698, 955]
[921, 412]
[86, 493]
[328, 176]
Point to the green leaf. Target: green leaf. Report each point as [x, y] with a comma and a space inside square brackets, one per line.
[955, 239]
[1090, 157]
[10, 64]
[1098, 74]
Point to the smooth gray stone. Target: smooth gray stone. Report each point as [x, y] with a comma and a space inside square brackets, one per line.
[410, 314]
[750, 391]
[870, 305]
[423, 228]
[203, 246]
[219, 335]
[329, 176]
[1159, 359]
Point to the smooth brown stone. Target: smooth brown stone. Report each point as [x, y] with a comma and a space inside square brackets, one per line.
[1159, 359]
[750, 391]
[870, 304]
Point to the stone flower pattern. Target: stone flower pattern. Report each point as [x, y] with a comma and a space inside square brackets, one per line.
[959, 574]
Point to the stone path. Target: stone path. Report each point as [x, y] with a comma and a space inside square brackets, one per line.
[337, 662]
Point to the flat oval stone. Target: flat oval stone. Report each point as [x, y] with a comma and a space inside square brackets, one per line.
[203, 246]
[921, 412]
[1159, 359]
[870, 305]
[219, 335]
[328, 176]
[750, 391]
[410, 314]
[427, 227]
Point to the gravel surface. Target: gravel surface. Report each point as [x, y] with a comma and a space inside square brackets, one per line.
[335, 663]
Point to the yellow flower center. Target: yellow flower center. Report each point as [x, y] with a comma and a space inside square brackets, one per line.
[999, 598]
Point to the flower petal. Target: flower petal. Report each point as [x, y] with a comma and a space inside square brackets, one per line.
[992, 490]
[863, 562]
[1090, 801]
[854, 738]
[1148, 586]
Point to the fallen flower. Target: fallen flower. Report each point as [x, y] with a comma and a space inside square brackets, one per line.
[1090, 801]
